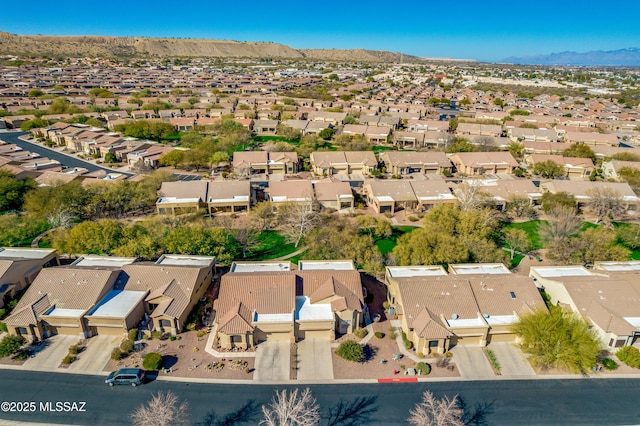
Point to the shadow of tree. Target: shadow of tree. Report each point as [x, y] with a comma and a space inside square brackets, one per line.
[477, 415]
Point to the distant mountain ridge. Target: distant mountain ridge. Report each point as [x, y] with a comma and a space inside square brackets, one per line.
[107, 46]
[617, 58]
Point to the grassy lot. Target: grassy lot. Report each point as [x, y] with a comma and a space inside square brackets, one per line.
[386, 245]
[264, 139]
[271, 246]
[531, 228]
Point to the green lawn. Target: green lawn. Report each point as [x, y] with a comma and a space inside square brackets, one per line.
[386, 245]
[531, 228]
[263, 139]
[271, 246]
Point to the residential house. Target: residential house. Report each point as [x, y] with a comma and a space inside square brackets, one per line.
[229, 195]
[438, 310]
[592, 139]
[182, 196]
[474, 129]
[584, 190]
[246, 163]
[20, 266]
[290, 191]
[265, 127]
[479, 163]
[334, 195]
[521, 134]
[328, 163]
[426, 162]
[575, 168]
[611, 169]
[390, 195]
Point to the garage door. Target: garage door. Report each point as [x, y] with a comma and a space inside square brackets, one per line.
[468, 340]
[315, 334]
[507, 337]
[109, 331]
[277, 336]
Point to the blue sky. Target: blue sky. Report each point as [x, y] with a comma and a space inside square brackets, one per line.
[489, 30]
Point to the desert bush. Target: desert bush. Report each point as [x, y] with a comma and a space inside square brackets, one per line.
[448, 354]
[10, 345]
[68, 359]
[630, 356]
[157, 334]
[423, 368]
[609, 364]
[74, 350]
[407, 343]
[413, 218]
[360, 332]
[132, 334]
[127, 346]
[116, 354]
[152, 361]
[201, 334]
[351, 351]
[391, 333]
[379, 334]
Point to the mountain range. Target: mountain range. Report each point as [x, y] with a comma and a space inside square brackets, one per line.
[616, 58]
[105, 46]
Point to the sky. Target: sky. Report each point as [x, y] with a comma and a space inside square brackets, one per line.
[482, 30]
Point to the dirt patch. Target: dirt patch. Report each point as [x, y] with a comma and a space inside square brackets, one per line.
[186, 357]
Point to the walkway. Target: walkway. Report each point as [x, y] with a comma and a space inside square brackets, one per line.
[314, 360]
[50, 353]
[273, 361]
[290, 255]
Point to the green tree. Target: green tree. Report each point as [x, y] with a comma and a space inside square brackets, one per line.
[631, 176]
[629, 235]
[598, 243]
[101, 237]
[516, 149]
[516, 239]
[351, 351]
[152, 361]
[461, 145]
[173, 158]
[558, 339]
[551, 201]
[34, 124]
[197, 240]
[12, 191]
[10, 345]
[579, 151]
[548, 169]
[264, 214]
[347, 142]
[326, 133]
[218, 157]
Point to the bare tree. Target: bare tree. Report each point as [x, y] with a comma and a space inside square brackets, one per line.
[605, 203]
[164, 409]
[264, 214]
[562, 222]
[297, 218]
[520, 207]
[432, 411]
[471, 197]
[61, 218]
[246, 234]
[516, 239]
[292, 408]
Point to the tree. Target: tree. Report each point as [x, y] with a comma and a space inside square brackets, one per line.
[12, 191]
[245, 234]
[605, 203]
[264, 214]
[296, 219]
[10, 345]
[196, 158]
[471, 197]
[598, 243]
[558, 339]
[631, 176]
[326, 133]
[629, 235]
[172, 158]
[377, 227]
[579, 151]
[100, 237]
[431, 411]
[551, 201]
[520, 207]
[460, 145]
[164, 409]
[548, 169]
[562, 223]
[218, 157]
[292, 408]
[347, 142]
[152, 361]
[516, 149]
[193, 239]
[516, 239]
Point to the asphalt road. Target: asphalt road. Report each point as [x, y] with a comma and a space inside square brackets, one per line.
[511, 402]
[65, 160]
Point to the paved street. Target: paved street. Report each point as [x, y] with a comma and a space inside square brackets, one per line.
[66, 160]
[511, 402]
[472, 362]
[314, 360]
[512, 361]
[272, 361]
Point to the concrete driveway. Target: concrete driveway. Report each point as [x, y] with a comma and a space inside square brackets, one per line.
[471, 362]
[314, 360]
[48, 355]
[273, 361]
[95, 355]
[511, 359]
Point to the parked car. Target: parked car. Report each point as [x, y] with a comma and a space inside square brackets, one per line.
[126, 376]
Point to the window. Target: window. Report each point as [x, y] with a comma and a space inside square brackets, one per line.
[236, 338]
[22, 331]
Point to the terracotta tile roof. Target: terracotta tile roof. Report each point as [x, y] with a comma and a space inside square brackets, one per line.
[428, 325]
[236, 321]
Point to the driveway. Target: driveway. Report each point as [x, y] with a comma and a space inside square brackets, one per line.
[95, 355]
[511, 359]
[314, 360]
[273, 361]
[471, 362]
[48, 355]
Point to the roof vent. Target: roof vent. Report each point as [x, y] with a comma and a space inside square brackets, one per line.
[485, 315]
[454, 316]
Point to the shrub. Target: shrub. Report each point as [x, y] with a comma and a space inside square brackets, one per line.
[157, 334]
[3, 327]
[68, 359]
[74, 350]
[351, 351]
[201, 334]
[379, 334]
[2, 312]
[609, 364]
[630, 356]
[391, 333]
[423, 368]
[172, 338]
[152, 361]
[413, 218]
[10, 345]
[21, 356]
[385, 305]
[360, 332]
[127, 346]
[407, 343]
[191, 326]
[116, 354]
[132, 334]
[448, 354]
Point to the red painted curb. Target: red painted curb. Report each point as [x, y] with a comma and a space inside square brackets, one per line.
[399, 380]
